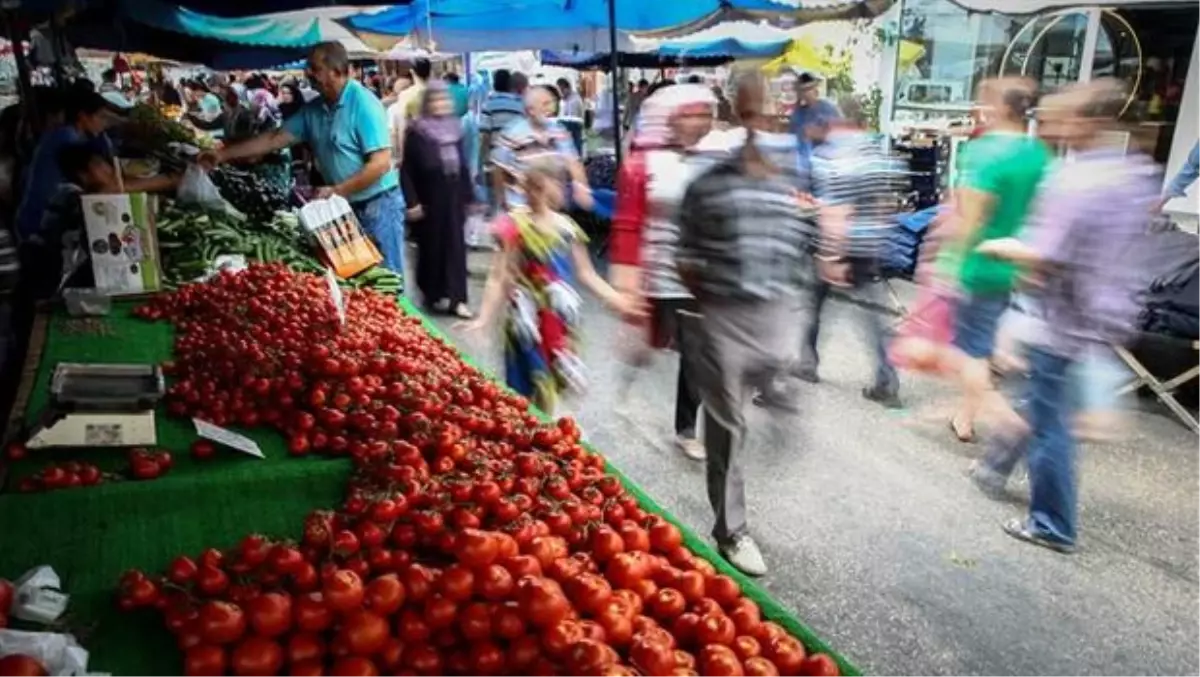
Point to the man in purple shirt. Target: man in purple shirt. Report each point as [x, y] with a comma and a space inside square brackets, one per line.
[1088, 217]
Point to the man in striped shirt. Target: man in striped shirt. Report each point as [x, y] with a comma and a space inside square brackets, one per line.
[857, 185]
[744, 248]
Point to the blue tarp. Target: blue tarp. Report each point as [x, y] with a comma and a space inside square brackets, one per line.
[170, 32]
[602, 61]
[726, 47]
[499, 16]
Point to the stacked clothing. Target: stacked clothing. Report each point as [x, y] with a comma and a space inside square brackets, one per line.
[1170, 299]
[901, 250]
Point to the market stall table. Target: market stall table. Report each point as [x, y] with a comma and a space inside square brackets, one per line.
[92, 535]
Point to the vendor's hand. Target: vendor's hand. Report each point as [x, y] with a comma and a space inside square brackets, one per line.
[209, 159]
[836, 273]
[414, 213]
[1002, 248]
[324, 193]
[582, 195]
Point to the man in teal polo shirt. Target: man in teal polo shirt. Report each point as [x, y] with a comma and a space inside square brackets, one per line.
[347, 129]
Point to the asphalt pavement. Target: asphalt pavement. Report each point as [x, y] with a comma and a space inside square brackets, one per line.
[879, 542]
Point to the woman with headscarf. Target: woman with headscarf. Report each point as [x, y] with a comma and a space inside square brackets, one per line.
[645, 230]
[290, 100]
[435, 163]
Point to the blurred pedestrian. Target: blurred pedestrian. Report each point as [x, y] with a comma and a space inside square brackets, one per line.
[1090, 214]
[435, 162]
[536, 137]
[856, 183]
[809, 119]
[1184, 178]
[744, 252]
[459, 94]
[532, 282]
[290, 100]
[572, 104]
[1000, 175]
[645, 232]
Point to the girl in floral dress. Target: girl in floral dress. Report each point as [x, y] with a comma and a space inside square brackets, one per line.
[534, 277]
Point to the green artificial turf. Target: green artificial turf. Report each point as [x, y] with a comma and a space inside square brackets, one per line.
[90, 536]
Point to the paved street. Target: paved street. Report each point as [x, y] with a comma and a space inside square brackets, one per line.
[881, 545]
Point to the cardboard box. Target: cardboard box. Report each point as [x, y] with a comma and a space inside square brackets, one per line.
[122, 243]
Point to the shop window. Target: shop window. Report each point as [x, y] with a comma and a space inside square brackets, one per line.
[944, 52]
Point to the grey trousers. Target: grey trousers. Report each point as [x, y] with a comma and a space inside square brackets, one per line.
[743, 347]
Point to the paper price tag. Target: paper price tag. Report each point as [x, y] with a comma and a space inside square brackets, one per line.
[335, 292]
[227, 438]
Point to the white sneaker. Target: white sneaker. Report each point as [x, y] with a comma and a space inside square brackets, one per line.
[690, 447]
[744, 554]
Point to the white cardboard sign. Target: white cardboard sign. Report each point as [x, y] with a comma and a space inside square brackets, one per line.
[227, 438]
[335, 292]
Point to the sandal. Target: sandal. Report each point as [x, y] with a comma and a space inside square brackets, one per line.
[967, 438]
[1019, 529]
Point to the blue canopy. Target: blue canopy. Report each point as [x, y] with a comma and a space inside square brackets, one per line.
[180, 34]
[725, 47]
[501, 16]
[603, 61]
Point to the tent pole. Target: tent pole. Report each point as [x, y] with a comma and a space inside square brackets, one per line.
[614, 65]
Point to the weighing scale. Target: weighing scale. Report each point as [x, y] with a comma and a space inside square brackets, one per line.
[100, 405]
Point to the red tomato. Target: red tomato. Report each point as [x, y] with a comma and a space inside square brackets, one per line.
[786, 652]
[691, 584]
[508, 622]
[22, 665]
[819, 665]
[365, 633]
[440, 612]
[475, 621]
[746, 617]
[354, 666]
[522, 653]
[486, 658]
[205, 659]
[543, 602]
[667, 603]
[309, 668]
[418, 582]
[343, 591]
[664, 536]
[257, 656]
[305, 646]
[270, 614]
[685, 628]
[651, 656]
[560, 636]
[746, 647]
[606, 544]
[590, 592]
[723, 589]
[760, 667]
[719, 660]
[716, 629]
[391, 656]
[457, 583]
[424, 660]
[477, 549]
[384, 595]
[547, 549]
[312, 613]
[221, 622]
[494, 582]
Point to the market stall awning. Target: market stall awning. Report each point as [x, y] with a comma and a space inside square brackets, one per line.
[726, 47]
[501, 16]
[241, 8]
[797, 13]
[603, 60]
[181, 34]
[1035, 6]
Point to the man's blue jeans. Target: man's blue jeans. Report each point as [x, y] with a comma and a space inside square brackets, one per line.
[383, 220]
[867, 285]
[1049, 445]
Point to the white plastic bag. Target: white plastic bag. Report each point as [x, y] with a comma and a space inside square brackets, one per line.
[196, 188]
[59, 654]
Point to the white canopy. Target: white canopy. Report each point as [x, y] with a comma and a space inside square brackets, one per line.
[1035, 6]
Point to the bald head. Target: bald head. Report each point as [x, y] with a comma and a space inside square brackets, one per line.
[539, 103]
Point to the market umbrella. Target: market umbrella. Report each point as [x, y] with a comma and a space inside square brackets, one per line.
[651, 59]
[539, 18]
[181, 34]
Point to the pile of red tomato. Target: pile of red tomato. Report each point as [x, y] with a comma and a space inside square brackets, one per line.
[473, 539]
